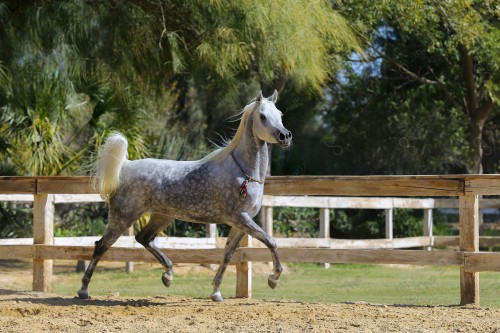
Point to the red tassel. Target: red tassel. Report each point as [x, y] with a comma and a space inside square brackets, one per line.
[243, 189]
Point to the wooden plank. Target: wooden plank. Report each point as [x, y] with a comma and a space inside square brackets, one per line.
[445, 185]
[65, 185]
[484, 241]
[453, 203]
[488, 184]
[367, 202]
[43, 233]
[197, 256]
[395, 243]
[364, 185]
[17, 185]
[327, 202]
[16, 241]
[25, 251]
[416, 203]
[17, 197]
[77, 198]
[487, 241]
[202, 243]
[469, 241]
[297, 242]
[124, 241]
[474, 262]
[409, 257]
[346, 202]
[481, 262]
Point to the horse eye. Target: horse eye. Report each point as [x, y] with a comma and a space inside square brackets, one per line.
[262, 117]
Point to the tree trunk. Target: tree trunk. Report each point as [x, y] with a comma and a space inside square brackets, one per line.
[475, 138]
[477, 108]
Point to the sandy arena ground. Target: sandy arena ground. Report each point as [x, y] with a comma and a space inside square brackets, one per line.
[35, 312]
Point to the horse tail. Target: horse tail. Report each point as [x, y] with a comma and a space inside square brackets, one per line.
[113, 155]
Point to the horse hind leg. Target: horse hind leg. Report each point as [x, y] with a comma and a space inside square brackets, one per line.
[146, 236]
[234, 238]
[115, 228]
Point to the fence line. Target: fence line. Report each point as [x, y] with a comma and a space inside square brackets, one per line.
[325, 203]
[466, 187]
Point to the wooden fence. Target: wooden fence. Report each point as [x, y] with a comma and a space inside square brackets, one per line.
[467, 188]
[325, 203]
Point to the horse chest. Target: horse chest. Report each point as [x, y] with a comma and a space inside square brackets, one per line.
[251, 200]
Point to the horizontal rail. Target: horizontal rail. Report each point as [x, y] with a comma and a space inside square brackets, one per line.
[299, 201]
[471, 261]
[484, 241]
[368, 202]
[125, 241]
[209, 243]
[212, 243]
[447, 185]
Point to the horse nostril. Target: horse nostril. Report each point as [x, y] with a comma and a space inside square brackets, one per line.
[289, 135]
[282, 136]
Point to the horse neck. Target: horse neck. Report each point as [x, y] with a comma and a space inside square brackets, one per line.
[253, 153]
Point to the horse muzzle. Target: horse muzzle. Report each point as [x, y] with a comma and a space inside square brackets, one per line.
[285, 138]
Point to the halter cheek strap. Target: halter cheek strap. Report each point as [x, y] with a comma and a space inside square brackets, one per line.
[248, 179]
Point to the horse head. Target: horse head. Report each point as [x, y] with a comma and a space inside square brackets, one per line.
[267, 124]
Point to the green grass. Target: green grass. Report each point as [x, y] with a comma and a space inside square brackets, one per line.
[303, 282]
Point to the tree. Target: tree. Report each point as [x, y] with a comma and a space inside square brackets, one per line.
[72, 70]
[451, 46]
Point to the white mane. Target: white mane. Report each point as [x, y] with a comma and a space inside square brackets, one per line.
[221, 153]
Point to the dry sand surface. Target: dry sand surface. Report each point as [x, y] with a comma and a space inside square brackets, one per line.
[36, 312]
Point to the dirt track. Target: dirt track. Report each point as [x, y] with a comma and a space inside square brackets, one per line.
[34, 312]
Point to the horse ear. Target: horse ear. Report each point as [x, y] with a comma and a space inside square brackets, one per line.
[274, 96]
[259, 97]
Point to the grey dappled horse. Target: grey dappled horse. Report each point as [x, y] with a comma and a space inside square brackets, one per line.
[224, 187]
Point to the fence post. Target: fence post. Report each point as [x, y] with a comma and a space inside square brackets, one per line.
[266, 216]
[469, 241]
[43, 233]
[267, 220]
[388, 223]
[324, 227]
[211, 232]
[428, 222]
[244, 273]
[129, 265]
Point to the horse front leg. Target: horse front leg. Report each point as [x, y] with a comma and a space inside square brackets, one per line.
[233, 239]
[247, 224]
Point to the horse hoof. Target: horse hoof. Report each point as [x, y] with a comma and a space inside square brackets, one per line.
[83, 294]
[217, 297]
[272, 281]
[167, 279]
